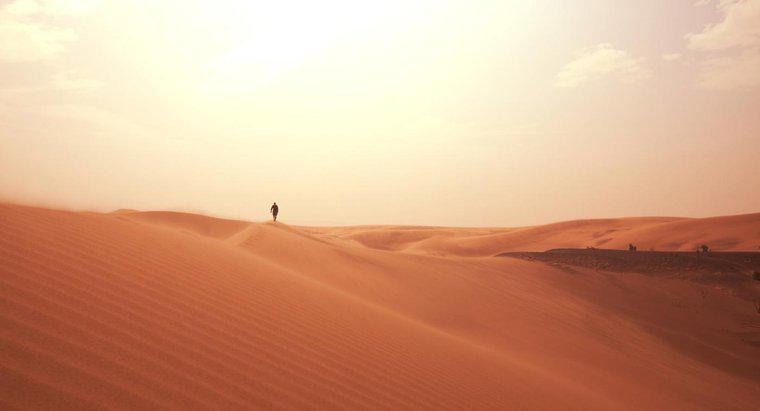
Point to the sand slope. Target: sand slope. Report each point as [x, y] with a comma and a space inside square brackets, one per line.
[730, 233]
[173, 310]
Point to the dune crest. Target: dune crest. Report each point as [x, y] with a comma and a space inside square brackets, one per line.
[176, 310]
[730, 233]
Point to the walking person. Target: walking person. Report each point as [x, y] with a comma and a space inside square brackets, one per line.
[274, 210]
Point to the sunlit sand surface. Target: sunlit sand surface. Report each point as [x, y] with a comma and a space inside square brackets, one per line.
[143, 310]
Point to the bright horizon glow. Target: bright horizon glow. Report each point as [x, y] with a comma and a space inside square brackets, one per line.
[271, 40]
[465, 113]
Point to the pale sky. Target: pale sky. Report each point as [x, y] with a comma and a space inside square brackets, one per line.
[464, 113]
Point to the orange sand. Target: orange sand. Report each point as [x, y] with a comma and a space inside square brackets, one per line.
[731, 233]
[171, 310]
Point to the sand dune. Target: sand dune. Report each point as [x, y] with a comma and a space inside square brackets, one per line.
[175, 310]
[730, 233]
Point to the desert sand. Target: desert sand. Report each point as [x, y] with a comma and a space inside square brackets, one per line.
[147, 310]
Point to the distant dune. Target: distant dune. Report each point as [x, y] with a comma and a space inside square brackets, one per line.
[731, 233]
[146, 310]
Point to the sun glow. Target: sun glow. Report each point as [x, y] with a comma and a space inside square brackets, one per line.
[353, 109]
[264, 40]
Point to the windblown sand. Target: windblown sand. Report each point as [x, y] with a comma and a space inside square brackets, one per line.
[151, 310]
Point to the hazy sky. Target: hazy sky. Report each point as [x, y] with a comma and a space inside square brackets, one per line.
[498, 113]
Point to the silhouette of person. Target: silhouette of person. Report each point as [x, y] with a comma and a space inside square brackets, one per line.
[274, 210]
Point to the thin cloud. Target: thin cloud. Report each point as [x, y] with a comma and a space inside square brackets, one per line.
[732, 46]
[29, 42]
[672, 56]
[26, 34]
[50, 7]
[602, 60]
[740, 27]
[33, 32]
